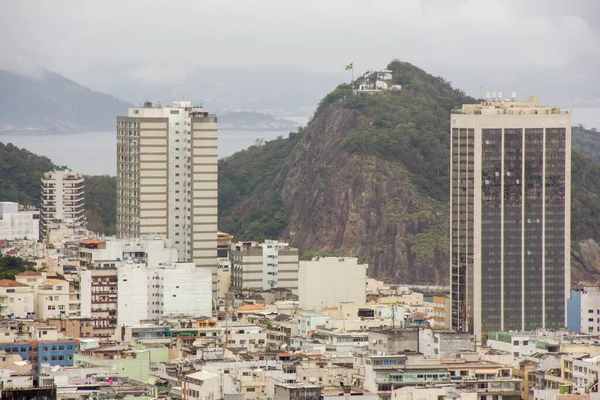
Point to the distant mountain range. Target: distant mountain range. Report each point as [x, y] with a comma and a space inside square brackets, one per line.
[253, 121]
[54, 103]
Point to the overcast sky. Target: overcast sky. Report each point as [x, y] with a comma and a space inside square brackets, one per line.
[547, 46]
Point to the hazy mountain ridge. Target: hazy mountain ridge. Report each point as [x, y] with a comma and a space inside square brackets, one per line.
[54, 103]
[249, 121]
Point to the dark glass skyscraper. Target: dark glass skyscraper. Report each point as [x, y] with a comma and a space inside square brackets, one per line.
[510, 216]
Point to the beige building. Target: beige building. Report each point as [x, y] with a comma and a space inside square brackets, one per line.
[510, 206]
[53, 298]
[264, 266]
[327, 281]
[16, 299]
[167, 178]
[62, 201]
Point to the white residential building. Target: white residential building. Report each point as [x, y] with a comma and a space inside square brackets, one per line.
[52, 298]
[111, 252]
[328, 281]
[62, 200]
[167, 178]
[201, 385]
[18, 223]
[586, 371]
[16, 299]
[239, 334]
[149, 293]
[265, 266]
[307, 323]
[590, 309]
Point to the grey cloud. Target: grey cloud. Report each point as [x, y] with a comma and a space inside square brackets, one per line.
[124, 43]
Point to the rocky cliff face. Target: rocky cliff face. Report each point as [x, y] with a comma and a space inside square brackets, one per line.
[585, 263]
[357, 205]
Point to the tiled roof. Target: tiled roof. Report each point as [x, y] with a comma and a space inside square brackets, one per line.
[10, 283]
[29, 273]
[251, 307]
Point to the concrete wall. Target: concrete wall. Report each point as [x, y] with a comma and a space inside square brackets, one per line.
[330, 280]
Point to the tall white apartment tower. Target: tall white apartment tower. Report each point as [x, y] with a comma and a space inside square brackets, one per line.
[62, 200]
[167, 178]
[510, 206]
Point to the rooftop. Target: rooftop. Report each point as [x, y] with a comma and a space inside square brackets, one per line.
[511, 106]
[29, 273]
[11, 283]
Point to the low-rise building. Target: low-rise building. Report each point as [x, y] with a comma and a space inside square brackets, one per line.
[16, 299]
[297, 391]
[201, 385]
[267, 265]
[76, 327]
[38, 352]
[328, 281]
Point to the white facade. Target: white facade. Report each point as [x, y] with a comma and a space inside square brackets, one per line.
[201, 385]
[245, 335]
[53, 299]
[590, 309]
[112, 252]
[307, 323]
[167, 178]
[16, 299]
[585, 374]
[328, 281]
[18, 224]
[147, 293]
[265, 266]
[62, 199]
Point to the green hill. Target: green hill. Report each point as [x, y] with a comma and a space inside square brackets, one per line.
[20, 178]
[368, 177]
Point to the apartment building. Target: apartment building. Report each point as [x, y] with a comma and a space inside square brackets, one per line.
[112, 252]
[62, 200]
[510, 202]
[16, 299]
[98, 294]
[590, 309]
[147, 293]
[18, 222]
[167, 178]
[265, 266]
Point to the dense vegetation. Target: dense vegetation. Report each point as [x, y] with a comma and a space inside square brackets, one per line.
[100, 203]
[11, 266]
[409, 127]
[21, 173]
[20, 180]
[253, 171]
[586, 142]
